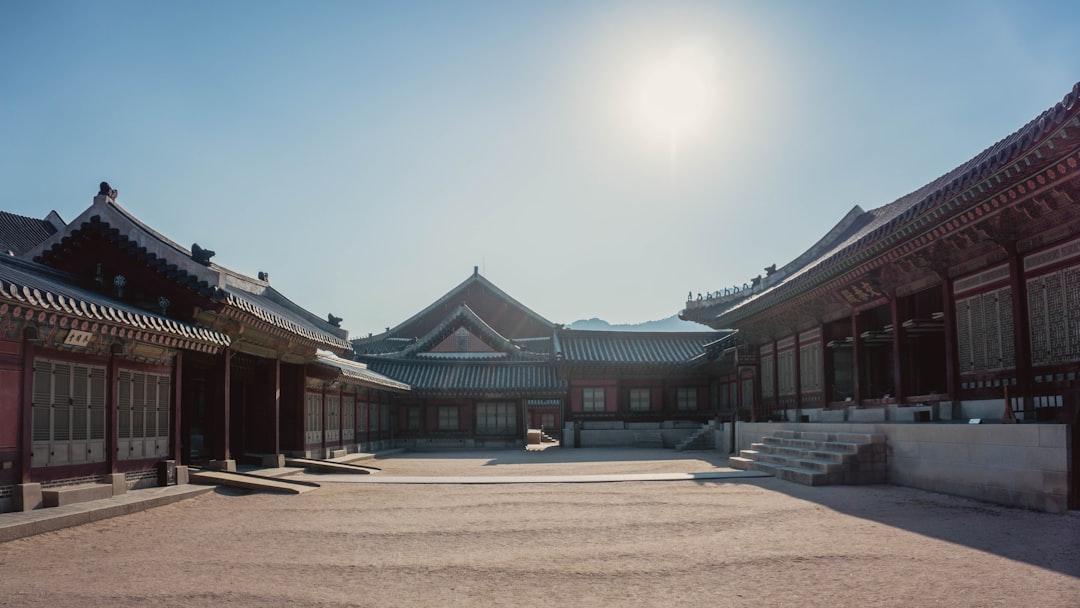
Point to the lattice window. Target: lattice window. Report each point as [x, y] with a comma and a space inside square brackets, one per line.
[314, 423]
[785, 369]
[448, 418]
[810, 368]
[767, 374]
[1054, 317]
[592, 399]
[333, 417]
[348, 416]
[639, 400]
[496, 418]
[984, 326]
[67, 413]
[686, 399]
[362, 417]
[142, 414]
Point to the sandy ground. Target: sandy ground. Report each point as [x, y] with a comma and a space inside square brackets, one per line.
[756, 542]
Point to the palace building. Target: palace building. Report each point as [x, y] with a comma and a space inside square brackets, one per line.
[483, 368]
[959, 301]
[120, 349]
[942, 328]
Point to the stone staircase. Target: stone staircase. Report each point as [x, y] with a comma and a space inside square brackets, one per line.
[701, 439]
[818, 458]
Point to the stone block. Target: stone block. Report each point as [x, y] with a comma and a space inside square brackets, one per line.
[1055, 482]
[69, 495]
[118, 482]
[1048, 459]
[28, 497]
[832, 415]
[268, 461]
[867, 415]
[182, 473]
[229, 466]
[1053, 435]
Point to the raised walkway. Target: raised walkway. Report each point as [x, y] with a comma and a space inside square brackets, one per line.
[505, 479]
[22, 524]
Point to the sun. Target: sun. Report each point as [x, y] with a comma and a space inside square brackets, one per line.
[672, 96]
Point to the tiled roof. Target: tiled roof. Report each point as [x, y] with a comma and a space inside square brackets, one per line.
[174, 262]
[19, 233]
[358, 371]
[460, 378]
[506, 315]
[626, 347]
[24, 283]
[934, 203]
[462, 316]
[272, 312]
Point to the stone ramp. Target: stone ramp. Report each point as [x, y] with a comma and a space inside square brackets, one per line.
[249, 481]
[28, 523]
[329, 466]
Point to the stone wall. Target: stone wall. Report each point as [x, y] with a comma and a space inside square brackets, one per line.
[1019, 465]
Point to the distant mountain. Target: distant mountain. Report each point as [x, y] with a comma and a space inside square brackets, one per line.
[672, 323]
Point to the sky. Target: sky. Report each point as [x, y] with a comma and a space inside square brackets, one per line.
[593, 158]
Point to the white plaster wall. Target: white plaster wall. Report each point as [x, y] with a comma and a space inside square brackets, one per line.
[1020, 465]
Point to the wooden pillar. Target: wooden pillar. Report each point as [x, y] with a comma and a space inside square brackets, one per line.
[798, 376]
[1021, 327]
[26, 412]
[899, 347]
[856, 358]
[325, 415]
[178, 377]
[112, 417]
[952, 352]
[223, 390]
[277, 406]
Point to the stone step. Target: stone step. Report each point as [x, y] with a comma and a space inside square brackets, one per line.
[831, 455]
[786, 434]
[751, 454]
[69, 495]
[821, 466]
[740, 463]
[807, 477]
[860, 437]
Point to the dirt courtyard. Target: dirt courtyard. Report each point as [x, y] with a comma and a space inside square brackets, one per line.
[739, 542]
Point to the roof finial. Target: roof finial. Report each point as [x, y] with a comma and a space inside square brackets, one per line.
[106, 190]
[475, 270]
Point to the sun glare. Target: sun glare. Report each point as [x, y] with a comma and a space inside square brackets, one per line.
[673, 96]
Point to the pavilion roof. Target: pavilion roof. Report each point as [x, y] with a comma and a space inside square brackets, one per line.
[464, 378]
[879, 231]
[628, 347]
[354, 370]
[19, 233]
[462, 316]
[35, 286]
[176, 263]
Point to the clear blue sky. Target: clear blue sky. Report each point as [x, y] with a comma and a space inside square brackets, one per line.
[369, 154]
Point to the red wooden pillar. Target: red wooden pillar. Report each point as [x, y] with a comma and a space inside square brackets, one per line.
[178, 376]
[112, 418]
[899, 347]
[322, 435]
[1021, 327]
[952, 353]
[26, 412]
[277, 406]
[224, 378]
[798, 376]
[856, 358]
